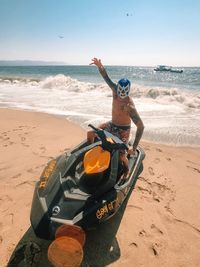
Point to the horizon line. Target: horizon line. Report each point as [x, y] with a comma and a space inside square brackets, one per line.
[60, 63]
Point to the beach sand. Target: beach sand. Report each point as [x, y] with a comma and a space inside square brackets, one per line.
[161, 223]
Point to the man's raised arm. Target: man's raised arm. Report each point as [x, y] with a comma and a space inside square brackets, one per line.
[97, 62]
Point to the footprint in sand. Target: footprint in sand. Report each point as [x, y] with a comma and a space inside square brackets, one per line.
[143, 233]
[158, 192]
[11, 143]
[156, 197]
[156, 160]
[6, 198]
[30, 170]
[16, 176]
[6, 141]
[156, 229]
[155, 248]
[4, 168]
[158, 149]
[193, 162]
[43, 149]
[23, 138]
[160, 176]
[194, 169]
[151, 172]
[133, 244]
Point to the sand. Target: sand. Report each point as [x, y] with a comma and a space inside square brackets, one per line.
[161, 223]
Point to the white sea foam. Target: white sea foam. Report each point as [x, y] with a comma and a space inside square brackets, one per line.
[170, 115]
[167, 95]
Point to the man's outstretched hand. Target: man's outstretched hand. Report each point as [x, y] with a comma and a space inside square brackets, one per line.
[97, 62]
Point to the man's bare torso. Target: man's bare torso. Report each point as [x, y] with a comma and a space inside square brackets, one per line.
[121, 109]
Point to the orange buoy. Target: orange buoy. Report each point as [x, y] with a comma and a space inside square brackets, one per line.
[73, 231]
[65, 252]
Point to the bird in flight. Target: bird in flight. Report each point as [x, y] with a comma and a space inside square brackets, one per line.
[60, 36]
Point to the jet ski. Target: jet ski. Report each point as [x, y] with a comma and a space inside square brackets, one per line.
[83, 187]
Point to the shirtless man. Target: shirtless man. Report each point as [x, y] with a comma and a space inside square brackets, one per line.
[123, 111]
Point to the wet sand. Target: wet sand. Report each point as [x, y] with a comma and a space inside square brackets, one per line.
[161, 223]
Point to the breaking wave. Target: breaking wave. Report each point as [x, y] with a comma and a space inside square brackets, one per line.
[163, 95]
[168, 95]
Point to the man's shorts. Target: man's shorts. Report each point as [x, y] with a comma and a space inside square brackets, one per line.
[121, 131]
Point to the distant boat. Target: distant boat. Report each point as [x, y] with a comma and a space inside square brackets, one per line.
[167, 68]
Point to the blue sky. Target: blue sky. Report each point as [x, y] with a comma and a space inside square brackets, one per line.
[120, 32]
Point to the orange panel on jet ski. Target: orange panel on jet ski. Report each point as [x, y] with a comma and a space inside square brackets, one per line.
[96, 160]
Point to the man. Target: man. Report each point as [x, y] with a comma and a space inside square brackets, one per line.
[123, 111]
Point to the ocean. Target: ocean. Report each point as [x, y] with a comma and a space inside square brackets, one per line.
[168, 103]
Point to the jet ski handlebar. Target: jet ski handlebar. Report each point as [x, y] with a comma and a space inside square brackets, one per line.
[117, 145]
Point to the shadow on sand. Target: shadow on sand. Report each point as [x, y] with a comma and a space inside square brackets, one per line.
[101, 247]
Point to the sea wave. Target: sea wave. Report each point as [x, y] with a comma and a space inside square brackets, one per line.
[163, 95]
[18, 80]
[168, 95]
[63, 82]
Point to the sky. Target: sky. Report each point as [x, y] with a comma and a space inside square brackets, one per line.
[120, 32]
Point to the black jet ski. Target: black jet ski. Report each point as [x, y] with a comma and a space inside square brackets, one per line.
[83, 187]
